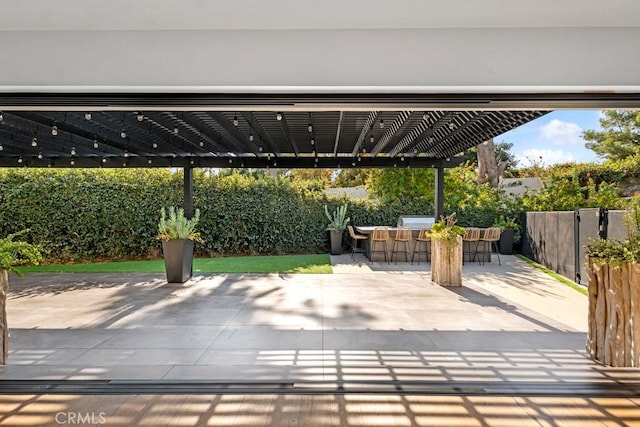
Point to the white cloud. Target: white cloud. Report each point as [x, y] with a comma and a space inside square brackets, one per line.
[562, 133]
[545, 156]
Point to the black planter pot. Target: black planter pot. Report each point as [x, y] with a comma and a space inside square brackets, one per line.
[178, 259]
[506, 241]
[335, 238]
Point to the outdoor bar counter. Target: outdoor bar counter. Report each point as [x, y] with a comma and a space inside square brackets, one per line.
[483, 255]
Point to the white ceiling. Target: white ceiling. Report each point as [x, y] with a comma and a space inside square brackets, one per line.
[46, 15]
[352, 46]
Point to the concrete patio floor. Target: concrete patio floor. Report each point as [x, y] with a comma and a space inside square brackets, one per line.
[365, 322]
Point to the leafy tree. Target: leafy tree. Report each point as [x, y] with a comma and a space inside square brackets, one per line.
[392, 184]
[322, 177]
[619, 137]
[351, 178]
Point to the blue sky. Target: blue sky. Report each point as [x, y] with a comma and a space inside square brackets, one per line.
[556, 137]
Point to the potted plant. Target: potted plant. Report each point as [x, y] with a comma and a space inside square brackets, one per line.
[446, 256]
[337, 224]
[613, 272]
[509, 234]
[178, 235]
[12, 254]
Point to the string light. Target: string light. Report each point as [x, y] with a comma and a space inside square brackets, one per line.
[149, 161]
[95, 143]
[452, 125]
[176, 130]
[1, 147]
[154, 145]
[201, 143]
[40, 156]
[104, 160]
[260, 148]
[313, 141]
[381, 123]
[73, 151]
[54, 130]
[1, 117]
[87, 116]
[235, 121]
[123, 134]
[278, 116]
[126, 154]
[310, 128]
[371, 139]
[250, 137]
[20, 159]
[230, 161]
[140, 117]
[72, 162]
[34, 142]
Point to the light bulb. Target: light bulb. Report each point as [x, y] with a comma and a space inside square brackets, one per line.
[95, 143]
[126, 154]
[371, 139]
[230, 161]
[1, 147]
[430, 139]
[73, 151]
[140, 117]
[72, 162]
[452, 125]
[149, 161]
[275, 163]
[40, 156]
[124, 164]
[176, 130]
[193, 162]
[313, 141]
[123, 134]
[381, 123]
[1, 117]
[54, 130]
[353, 163]
[34, 142]
[201, 143]
[425, 116]
[154, 145]
[316, 160]
[19, 159]
[250, 137]
[87, 116]
[235, 121]
[104, 160]
[310, 128]
[279, 116]
[260, 148]
[359, 158]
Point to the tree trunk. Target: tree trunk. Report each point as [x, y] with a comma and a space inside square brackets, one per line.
[4, 329]
[614, 314]
[446, 262]
[488, 170]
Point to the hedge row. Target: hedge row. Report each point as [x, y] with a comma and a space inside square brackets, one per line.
[98, 214]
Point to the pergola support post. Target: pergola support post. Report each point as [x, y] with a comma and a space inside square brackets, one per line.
[439, 192]
[188, 192]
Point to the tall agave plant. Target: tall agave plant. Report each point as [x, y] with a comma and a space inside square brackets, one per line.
[339, 220]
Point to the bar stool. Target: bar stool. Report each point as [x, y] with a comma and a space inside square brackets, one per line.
[379, 237]
[424, 238]
[355, 238]
[492, 236]
[471, 235]
[403, 237]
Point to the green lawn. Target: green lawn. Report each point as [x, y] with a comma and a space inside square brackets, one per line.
[309, 264]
